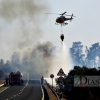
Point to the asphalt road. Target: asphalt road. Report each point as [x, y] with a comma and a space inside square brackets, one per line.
[30, 91]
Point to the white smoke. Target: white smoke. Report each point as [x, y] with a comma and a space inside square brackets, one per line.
[20, 26]
[60, 59]
[37, 59]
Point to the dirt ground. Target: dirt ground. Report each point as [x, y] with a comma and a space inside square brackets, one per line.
[3, 87]
[2, 81]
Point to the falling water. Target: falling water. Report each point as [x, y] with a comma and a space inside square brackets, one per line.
[60, 59]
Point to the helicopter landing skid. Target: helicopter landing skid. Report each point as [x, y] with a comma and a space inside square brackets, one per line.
[62, 24]
[65, 24]
[57, 23]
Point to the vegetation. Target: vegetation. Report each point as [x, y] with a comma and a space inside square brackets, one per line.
[81, 93]
[91, 58]
[1, 73]
[84, 71]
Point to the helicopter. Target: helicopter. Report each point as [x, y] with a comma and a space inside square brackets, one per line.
[61, 20]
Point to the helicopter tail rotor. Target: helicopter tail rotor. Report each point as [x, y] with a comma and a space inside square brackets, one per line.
[72, 17]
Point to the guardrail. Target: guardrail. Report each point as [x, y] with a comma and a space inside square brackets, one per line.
[52, 90]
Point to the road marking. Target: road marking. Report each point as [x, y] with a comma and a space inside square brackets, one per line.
[4, 89]
[42, 93]
[19, 92]
[41, 88]
[14, 95]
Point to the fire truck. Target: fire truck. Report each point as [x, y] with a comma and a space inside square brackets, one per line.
[15, 78]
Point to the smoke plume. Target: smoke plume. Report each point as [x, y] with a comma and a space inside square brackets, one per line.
[61, 59]
[37, 59]
[13, 9]
[22, 22]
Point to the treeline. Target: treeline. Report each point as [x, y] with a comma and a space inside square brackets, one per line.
[82, 93]
[35, 59]
[77, 70]
[9, 66]
[15, 64]
[91, 57]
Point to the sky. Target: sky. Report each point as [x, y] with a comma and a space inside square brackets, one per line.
[84, 27]
[24, 23]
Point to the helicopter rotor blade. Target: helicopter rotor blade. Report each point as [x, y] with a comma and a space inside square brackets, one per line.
[56, 13]
[63, 13]
[52, 13]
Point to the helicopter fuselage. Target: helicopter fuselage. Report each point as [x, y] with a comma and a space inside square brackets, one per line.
[60, 19]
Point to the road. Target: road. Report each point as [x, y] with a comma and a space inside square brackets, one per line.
[30, 91]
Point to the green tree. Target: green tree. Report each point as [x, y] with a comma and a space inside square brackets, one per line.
[77, 53]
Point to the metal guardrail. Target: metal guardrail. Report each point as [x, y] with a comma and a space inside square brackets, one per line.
[52, 90]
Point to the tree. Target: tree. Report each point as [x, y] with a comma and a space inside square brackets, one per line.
[7, 67]
[1, 63]
[15, 61]
[83, 71]
[1, 73]
[92, 53]
[76, 53]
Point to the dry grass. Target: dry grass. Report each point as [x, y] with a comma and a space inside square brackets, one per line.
[2, 81]
[2, 88]
[50, 93]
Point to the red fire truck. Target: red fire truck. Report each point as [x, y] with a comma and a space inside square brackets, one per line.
[15, 78]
